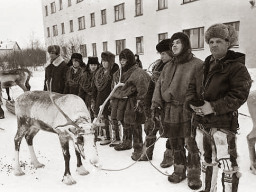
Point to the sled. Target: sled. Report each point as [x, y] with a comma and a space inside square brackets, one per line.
[10, 106]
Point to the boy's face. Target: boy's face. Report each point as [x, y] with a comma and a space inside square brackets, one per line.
[105, 64]
[93, 67]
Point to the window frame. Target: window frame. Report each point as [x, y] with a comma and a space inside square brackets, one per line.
[46, 10]
[160, 35]
[140, 45]
[120, 45]
[92, 15]
[55, 30]
[71, 26]
[61, 4]
[81, 23]
[236, 25]
[79, 1]
[83, 50]
[69, 3]
[48, 32]
[94, 49]
[140, 8]
[105, 46]
[200, 37]
[162, 4]
[103, 17]
[119, 15]
[188, 1]
[53, 7]
[62, 28]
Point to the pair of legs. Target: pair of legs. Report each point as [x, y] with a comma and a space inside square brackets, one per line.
[219, 151]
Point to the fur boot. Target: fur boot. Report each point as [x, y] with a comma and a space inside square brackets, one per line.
[149, 144]
[178, 175]
[168, 159]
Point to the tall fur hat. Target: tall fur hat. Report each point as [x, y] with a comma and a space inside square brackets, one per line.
[93, 60]
[219, 30]
[108, 56]
[163, 45]
[54, 48]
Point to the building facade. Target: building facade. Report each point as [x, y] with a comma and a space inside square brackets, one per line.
[8, 47]
[93, 26]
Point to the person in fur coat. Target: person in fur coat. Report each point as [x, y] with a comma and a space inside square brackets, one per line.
[87, 87]
[73, 75]
[169, 99]
[151, 128]
[55, 71]
[127, 102]
[103, 80]
[214, 95]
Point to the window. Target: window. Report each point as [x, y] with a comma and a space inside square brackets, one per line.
[61, 5]
[78, 1]
[46, 10]
[53, 8]
[236, 25]
[139, 45]
[55, 30]
[105, 46]
[69, 3]
[196, 36]
[162, 4]
[162, 36]
[48, 32]
[81, 23]
[62, 28]
[73, 50]
[71, 26]
[94, 50]
[103, 17]
[120, 45]
[188, 1]
[83, 50]
[92, 19]
[119, 12]
[64, 50]
[138, 8]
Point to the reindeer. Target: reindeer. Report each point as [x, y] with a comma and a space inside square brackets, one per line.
[13, 77]
[41, 110]
[251, 137]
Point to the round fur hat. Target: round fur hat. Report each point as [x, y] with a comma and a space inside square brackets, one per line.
[163, 45]
[108, 56]
[54, 48]
[93, 60]
[222, 31]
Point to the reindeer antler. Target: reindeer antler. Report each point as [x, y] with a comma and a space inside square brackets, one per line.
[119, 84]
[69, 121]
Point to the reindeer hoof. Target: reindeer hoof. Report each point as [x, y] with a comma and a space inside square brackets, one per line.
[68, 180]
[37, 165]
[18, 172]
[82, 171]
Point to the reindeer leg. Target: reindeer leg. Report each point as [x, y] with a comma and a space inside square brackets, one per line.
[29, 138]
[8, 93]
[67, 178]
[17, 141]
[80, 168]
[251, 139]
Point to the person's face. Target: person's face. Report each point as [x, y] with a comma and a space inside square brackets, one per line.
[75, 63]
[105, 64]
[53, 55]
[165, 57]
[93, 67]
[177, 46]
[123, 62]
[218, 47]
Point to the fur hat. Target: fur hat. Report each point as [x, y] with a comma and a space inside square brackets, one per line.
[184, 40]
[77, 56]
[93, 60]
[54, 48]
[108, 56]
[222, 31]
[163, 45]
[129, 55]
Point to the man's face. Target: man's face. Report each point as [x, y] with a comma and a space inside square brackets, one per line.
[177, 46]
[53, 55]
[123, 62]
[218, 47]
[165, 57]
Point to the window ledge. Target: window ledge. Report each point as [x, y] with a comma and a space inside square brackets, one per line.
[189, 2]
[119, 20]
[162, 9]
[138, 15]
[81, 29]
[197, 49]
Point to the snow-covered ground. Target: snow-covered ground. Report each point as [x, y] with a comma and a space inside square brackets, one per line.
[140, 177]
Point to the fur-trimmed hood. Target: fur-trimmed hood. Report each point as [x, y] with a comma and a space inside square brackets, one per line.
[127, 54]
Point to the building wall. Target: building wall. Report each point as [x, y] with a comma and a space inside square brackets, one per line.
[178, 16]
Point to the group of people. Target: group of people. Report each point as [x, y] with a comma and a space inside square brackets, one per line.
[192, 103]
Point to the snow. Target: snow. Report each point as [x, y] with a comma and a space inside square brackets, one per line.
[139, 177]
